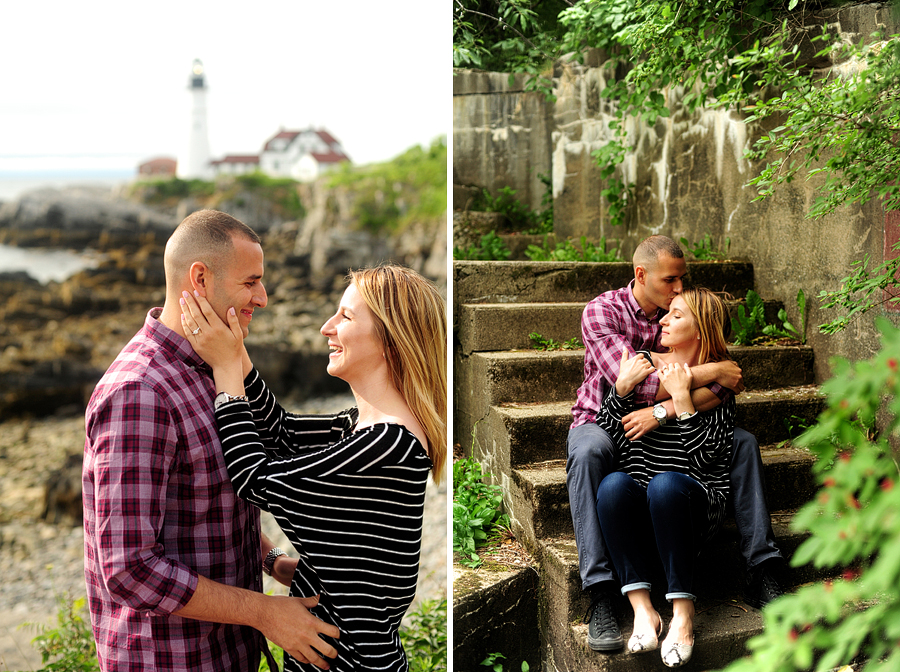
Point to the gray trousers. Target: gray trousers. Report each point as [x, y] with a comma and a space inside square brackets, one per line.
[591, 456]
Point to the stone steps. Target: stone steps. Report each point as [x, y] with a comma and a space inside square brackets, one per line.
[534, 375]
[486, 327]
[541, 500]
[513, 410]
[566, 282]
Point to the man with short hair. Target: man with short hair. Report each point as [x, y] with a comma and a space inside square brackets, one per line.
[628, 318]
[173, 558]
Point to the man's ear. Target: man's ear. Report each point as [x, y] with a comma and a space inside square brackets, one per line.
[200, 277]
[640, 275]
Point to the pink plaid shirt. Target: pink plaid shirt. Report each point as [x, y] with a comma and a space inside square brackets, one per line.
[610, 322]
[159, 510]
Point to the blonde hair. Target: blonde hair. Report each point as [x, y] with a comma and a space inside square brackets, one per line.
[411, 322]
[709, 314]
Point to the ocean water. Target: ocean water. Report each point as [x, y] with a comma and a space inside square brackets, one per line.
[45, 265]
[14, 184]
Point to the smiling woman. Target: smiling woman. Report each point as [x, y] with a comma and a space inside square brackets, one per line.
[348, 489]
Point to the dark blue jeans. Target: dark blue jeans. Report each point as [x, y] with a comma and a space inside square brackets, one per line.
[591, 457]
[665, 521]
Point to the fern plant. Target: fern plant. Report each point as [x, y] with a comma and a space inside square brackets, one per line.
[787, 330]
[749, 323]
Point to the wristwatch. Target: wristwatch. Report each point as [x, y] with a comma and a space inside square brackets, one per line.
[686, 415]
[224, 398]
[659, 412]
[269, 562]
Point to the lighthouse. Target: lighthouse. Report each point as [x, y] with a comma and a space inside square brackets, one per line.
[194, 163]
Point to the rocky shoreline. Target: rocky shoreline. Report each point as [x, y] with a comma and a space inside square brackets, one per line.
[56, 339]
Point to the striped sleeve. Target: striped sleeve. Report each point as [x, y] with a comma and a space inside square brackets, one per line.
[288, 434]
[708, 437]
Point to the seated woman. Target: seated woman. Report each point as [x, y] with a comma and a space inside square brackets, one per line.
[668, 496]
[347, 489]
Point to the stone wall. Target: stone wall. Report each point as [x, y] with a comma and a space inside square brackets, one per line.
[690, 179]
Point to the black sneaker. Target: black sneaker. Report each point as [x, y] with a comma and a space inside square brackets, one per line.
[762, 586]
[603, 631]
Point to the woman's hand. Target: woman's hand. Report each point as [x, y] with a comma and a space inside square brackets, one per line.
[676, 379]
[219, 344]
[631, 372]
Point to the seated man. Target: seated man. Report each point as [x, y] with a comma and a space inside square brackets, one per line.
[629, 318]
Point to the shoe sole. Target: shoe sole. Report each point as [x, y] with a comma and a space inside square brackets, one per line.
[606, 645]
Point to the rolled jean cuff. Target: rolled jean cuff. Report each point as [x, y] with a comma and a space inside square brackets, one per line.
[681, 596]
[640, 585]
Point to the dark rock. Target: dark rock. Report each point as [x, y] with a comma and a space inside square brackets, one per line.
[62, 494]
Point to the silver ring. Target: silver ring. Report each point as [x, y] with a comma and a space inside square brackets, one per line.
[196, 331]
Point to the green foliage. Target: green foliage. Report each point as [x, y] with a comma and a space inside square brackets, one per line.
[538, 342]
[788, 330]
[836, 125]
[565, 250]
[508, 36]
[277, 654]
[617, 193]
[704, 250]
[495, 662]
[491, 248]
[389, 196]
[69, 647]
[282, 191]
[860, 292]
[425, 639]
[748, 326]
[794, 426]
[161, 190]
[854, 527]
[477, 510]
[521, 217]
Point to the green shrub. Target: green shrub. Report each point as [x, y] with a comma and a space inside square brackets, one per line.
[389, 196]
[748, 326]
[704, 250]
[566, 251]
[538, 342]
[477, 510]
[425, 639]
[854, 528]
[490, 248]
[69, 647]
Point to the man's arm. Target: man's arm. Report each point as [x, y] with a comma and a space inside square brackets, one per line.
[604, 336]
[286, 621]
[712, 384]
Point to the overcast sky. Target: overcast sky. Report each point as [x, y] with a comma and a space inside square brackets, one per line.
[102, 85]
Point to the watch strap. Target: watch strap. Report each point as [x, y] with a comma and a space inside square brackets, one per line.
[269, 562]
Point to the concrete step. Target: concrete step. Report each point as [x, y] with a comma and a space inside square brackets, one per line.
[720, 565]
[539, 502]
[517, 434]
[527, 376]
[491, 327]
[552, 281]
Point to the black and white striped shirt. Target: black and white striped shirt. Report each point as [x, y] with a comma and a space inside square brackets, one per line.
[699, 446]
[350, 502]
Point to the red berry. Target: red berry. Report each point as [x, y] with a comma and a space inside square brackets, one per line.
[792, 635]
[892, 364]
[828, 482]
[887, 484]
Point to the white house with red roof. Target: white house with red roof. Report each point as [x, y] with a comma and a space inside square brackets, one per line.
[235, 164]
[301, 155]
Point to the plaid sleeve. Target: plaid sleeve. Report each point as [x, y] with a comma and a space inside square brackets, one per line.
[605, 333]
[133, 441]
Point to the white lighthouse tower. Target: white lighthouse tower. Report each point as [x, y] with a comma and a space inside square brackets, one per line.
[194, 163]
